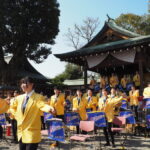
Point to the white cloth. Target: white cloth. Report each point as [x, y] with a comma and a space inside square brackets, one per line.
[95, 60]
[127, 56]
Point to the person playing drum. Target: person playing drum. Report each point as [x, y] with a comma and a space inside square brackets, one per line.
[123, 82]
[79, 106]
[136, 80]
[109, 110]
[146, 94]
[134, 101]
[4, 106]
[92, 101]
[57, 101]
[113, 80]
[102, 100]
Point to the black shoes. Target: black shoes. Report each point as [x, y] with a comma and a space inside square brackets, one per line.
[107, 144]
[113, 145]
[14, 141]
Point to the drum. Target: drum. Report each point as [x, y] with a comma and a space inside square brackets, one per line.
[88, 110]
[72, 119]
[98, 118]
[47, 116]
[55, 129]
[129, 117]
[148, 121]
[120, 87]
[108, 88]
[124, 105]
[2, 119]
[68, 105]
[147, 103]
[128, 86]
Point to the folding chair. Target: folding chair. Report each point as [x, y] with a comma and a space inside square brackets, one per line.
[87, 126]
[121, 122]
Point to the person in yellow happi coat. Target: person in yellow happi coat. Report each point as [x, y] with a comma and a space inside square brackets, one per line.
[57, 101]
[92, 101]
[136, 79]
[27, 111]
[79, 106]
[111, 102]
[123, 81]
[4, 106]
[113, 80]
[146, 92]
[146, 100]
[109, 110]
[134, 101]
[102, 100]
[12, 120]
[102, 82]
[68, 101]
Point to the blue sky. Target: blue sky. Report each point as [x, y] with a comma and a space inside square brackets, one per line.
[75, 11]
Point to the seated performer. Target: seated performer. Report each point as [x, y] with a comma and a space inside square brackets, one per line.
[146, 94]
[134, 101]
[102, 82]
[57, 101]
[136, 80]
[26, 109]
[92, 82]
[123, 82]
[111, 102]
[114, 80]
[4, 106]
[79, 106]
[92, 101]
[99, 94]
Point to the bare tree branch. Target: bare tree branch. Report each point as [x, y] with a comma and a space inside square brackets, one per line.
[82, 33]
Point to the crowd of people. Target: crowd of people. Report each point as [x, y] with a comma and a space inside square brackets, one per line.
[26, 110]
[123, 83]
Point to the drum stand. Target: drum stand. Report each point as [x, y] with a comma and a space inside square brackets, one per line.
[100, 142]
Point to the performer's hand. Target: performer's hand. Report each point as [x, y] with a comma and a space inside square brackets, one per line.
[64, 103]
[75, 110]
[8, 101]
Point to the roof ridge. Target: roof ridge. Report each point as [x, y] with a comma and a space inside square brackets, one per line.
[112, 24]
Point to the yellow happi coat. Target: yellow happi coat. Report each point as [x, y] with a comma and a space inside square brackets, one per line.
[29, 122]
[102, 103]
[110, 107]
[136, 80]
[123, 82]
[58, 103]
[80, 107]
[146, 92]
[134, 97]
[3, 106]
[92, 104]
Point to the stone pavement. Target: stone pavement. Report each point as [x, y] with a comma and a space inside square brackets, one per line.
[132, 143]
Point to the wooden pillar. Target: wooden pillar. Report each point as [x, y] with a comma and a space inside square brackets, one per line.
[141, 75]
[85, 76]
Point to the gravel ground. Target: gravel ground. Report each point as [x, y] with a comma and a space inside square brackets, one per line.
[132, 143]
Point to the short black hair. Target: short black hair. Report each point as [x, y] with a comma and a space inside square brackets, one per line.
[56, 88]
[90, 89]
[16, 91]
[27, 80]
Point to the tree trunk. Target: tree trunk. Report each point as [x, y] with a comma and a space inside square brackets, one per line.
[4, 69]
